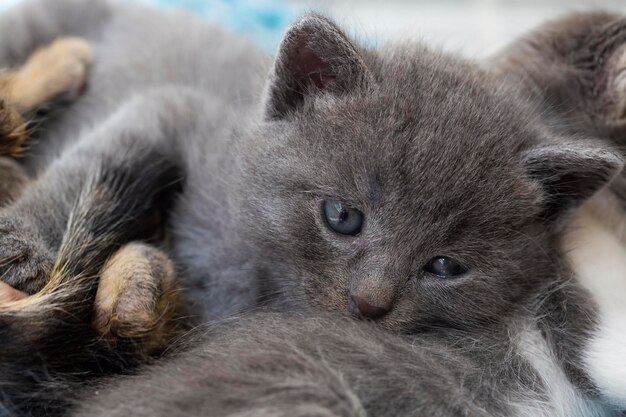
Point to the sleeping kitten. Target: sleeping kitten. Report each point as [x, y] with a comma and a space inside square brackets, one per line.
[575, 69]
[58, 70]
[133, 306]
[400, 185]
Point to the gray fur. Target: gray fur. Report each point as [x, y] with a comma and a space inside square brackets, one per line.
[446, 178]
[573, 68]
[443, 158]
[280, 365]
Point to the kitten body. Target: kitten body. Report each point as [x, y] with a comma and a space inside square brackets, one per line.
[156, 82]
[441, 156]
[574, 68]
[291, 365]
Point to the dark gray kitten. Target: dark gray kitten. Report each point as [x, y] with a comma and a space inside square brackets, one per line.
[329, 365]
[281, 365]
[575, 68]
[402, 185]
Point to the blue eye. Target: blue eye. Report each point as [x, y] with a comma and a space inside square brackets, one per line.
[341, 218]
[444, 267]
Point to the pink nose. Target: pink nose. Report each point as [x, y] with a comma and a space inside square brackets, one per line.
[362, 309]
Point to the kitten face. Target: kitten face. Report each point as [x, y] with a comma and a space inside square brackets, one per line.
[430, 179]
[433, 155]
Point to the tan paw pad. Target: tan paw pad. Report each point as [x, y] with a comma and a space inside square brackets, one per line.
[137, 297]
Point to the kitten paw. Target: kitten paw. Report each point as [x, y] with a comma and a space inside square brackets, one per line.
[137, 298]
[58, 71]
[137, 302]
[25, 258]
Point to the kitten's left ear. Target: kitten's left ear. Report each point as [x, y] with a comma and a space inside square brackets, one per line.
[314, 56]
[570, 173]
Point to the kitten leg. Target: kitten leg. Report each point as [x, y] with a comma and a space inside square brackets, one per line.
[138, 298]
[49, 345]
[13, 179]
[57, 71]
[143, 136]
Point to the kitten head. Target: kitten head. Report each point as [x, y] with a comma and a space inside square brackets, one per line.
[576, 65]
[407, 186]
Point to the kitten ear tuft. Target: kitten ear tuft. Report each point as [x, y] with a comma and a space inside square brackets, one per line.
[314, 56]
[571, 172]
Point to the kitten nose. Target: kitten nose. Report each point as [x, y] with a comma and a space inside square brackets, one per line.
[361, 308]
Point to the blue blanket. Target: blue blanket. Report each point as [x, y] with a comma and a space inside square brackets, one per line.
[264, 21]
[261, 20]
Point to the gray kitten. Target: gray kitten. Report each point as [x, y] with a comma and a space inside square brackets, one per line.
[400, 185]
[574, 67]
[342, 368]
[369, 181]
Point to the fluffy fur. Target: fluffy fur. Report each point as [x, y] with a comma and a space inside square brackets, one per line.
[50, 338]
[289, 365]
[40, 366]
[442, 156]
[575, 67]
[248, 225]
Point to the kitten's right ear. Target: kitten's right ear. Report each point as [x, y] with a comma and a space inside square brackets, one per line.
[577, 65]
[616, 85]
[314, 56]
[570, 173]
